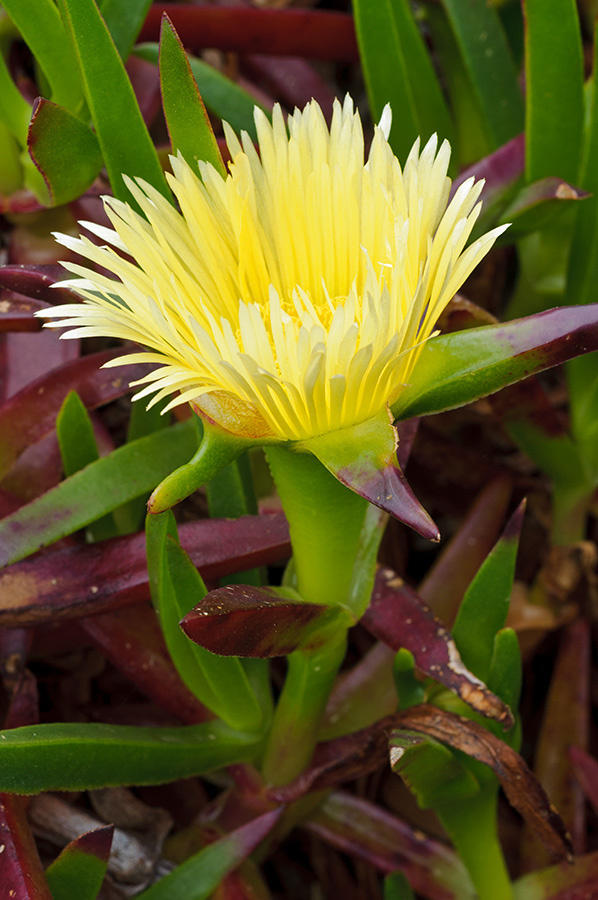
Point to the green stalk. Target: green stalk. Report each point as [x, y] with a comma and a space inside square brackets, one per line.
[471, 826]
[326, 522]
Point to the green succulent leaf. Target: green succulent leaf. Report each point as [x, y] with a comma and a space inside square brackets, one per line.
[99, 488]
[111, 101]
[554, 89]
[80, 868]
[124, 19]
[219, 682]
[188, 123]
[76, 756]
[65, 151]
[42, 30]
[455, 369]
[390, 41]
[198, 876]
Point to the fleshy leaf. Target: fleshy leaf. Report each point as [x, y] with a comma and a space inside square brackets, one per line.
[76, 756]
[188, 124]
[176, 586]
[430, 769]
[397, 616]
[455, 369]
[364, 457]
[80, 868]
[65, 151]
[242, 620]
[56, 586]
[538, 205]
[484, 608]
[198, 876]
[522, 789]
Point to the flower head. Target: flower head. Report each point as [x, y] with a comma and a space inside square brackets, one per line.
[292, 298]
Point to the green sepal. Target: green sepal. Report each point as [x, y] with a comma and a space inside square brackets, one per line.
[539, 205]
[217, 449]
[364, 458]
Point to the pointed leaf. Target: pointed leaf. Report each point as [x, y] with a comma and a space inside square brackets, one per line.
[198, 876]
[65, 151]
[242, 620]
[539, 205]
[483, 611]
[98, 489]
[554, 89]
[522, 789]
[400, 618]
[82, 756]
[364, 457]
[176, 585]
[221, 95]
[390, 40]
[188, 124]
[80, 868]
[455, 369]
[111, 101]
[80, 581]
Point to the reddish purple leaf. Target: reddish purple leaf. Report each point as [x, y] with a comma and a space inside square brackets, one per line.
[343, 759]
[363, 830]
[86, 580]
[523, 790]
[132, 641]
[16, 313]
[565, 724]
[36, 282]
[241, 620]
[500, 170]
[585, 768]
[275, 32]
[31, 413]
[292, 82]
[21, 872]
[445, 584]
[400, 618]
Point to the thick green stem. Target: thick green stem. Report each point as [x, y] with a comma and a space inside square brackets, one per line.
[325, 522]
[330, 531]
[309, 680]
[471, 825]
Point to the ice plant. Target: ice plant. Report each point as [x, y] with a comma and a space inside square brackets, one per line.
[289, 303]
[292, 298]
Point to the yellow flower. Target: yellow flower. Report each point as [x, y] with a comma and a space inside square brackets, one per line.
[293, 297]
